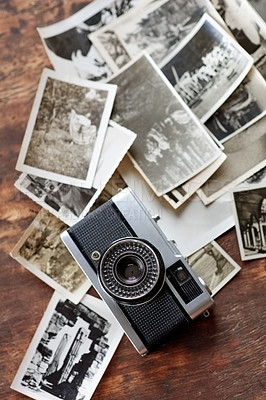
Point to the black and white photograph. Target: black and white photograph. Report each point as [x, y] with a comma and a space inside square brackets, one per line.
[41, 250]
[67, 42]
[206, 223]
[250, 217]
[154, 26]
[171, 145]
[206, 67]
[214, 266]
[70, 350]
[245, 106]
[181, 194]
[247, 26]
[67, 202]
[246, 155]
[66, 129]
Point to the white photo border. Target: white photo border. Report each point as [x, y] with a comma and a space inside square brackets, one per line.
[110, 92]
[206, 19]
[114, 337]
[116, 144]
[215, 149]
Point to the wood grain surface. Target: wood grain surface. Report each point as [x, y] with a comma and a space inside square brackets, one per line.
[222, 357]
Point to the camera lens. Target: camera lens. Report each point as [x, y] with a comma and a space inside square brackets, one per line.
[131, 271]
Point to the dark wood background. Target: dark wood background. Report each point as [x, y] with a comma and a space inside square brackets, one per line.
[223, 357]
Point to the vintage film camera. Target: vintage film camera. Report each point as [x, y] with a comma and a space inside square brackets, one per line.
[140, 274]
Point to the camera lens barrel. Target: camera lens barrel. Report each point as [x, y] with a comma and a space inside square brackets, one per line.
[131, 271]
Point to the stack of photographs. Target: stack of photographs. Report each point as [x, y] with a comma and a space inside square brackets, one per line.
[171, 146]
[70, 151]
[194, 45]
[164, 96]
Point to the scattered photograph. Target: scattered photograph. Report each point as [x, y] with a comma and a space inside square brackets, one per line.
[66, 202]
[67, 42]
[247, 26]
[250, 217]
[70, 350]
[181, 194]
[171, 145]
[66, 129]
[246, 155]
[154, 26]
[70, 203]
[245, 106]
[193, 225]
[206, 67]
[42, 252]
[214, 266]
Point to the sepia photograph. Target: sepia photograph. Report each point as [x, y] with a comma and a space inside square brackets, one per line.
[171, 145]
[206, 67]
[245, 106]
[70, 350]
[250, 217]
[70, 203]
[154, 26]
[214, 266]
[246, 155]
[66, 129]
[67, 42]
[42, 252]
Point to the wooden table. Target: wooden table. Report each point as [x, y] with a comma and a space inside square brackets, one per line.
[223, 357]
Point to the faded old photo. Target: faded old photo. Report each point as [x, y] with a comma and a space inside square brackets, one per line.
[70, 350]
[247, 26]
[171, 145]
[154, 26]
[67, 42]
[250, 217]
[42, 252]
[214, 266]
[206, 67]
[246, 155]
[68, 202]
[66, 129]
[244, 107]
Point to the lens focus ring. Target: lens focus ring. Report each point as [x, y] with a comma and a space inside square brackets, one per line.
[131, 270]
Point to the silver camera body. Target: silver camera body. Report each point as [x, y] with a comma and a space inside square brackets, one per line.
[140, 274]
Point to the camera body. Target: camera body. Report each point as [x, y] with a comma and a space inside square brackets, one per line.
[140, 274]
